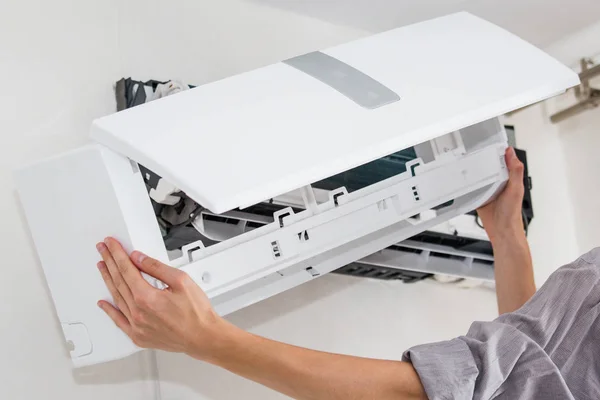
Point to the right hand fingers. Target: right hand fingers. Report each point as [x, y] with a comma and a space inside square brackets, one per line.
[169, 275]
[117, 316]
[125, 267]
[117, 298]
[120, 285]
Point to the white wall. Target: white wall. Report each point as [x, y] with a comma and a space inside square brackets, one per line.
[580, 139]
[203, 41]
[583, 43]
[58, 60]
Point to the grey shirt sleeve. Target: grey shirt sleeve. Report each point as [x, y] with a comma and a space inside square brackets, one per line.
[543, 350]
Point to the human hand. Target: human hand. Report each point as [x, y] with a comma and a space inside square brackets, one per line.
[178, 319]
[502, 217]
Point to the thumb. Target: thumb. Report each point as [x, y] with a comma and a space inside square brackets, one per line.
[515, 168]
[169, 275]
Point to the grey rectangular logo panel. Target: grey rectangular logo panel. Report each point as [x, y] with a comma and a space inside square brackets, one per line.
[357, 86]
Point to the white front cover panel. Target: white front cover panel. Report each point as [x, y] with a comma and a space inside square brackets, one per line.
[253, 136]
[72, 202]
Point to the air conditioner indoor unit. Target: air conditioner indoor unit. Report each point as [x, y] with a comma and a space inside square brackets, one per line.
[458, 248]
[257, 147]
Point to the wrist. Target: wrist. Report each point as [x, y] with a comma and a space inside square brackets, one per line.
[507, 237]
[500, 230]
[214, 340]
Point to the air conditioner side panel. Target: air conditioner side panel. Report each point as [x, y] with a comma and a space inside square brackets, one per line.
[72, 202]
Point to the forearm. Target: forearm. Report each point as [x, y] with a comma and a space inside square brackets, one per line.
[513, 271]
[308, 374]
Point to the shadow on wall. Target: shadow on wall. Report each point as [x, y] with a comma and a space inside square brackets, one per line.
[292, 300]
[371, 15]
[540, 23]
[115, 372]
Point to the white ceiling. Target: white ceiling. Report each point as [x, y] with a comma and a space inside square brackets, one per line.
[541, 22]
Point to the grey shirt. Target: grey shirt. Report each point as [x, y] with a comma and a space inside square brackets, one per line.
[548, 349]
